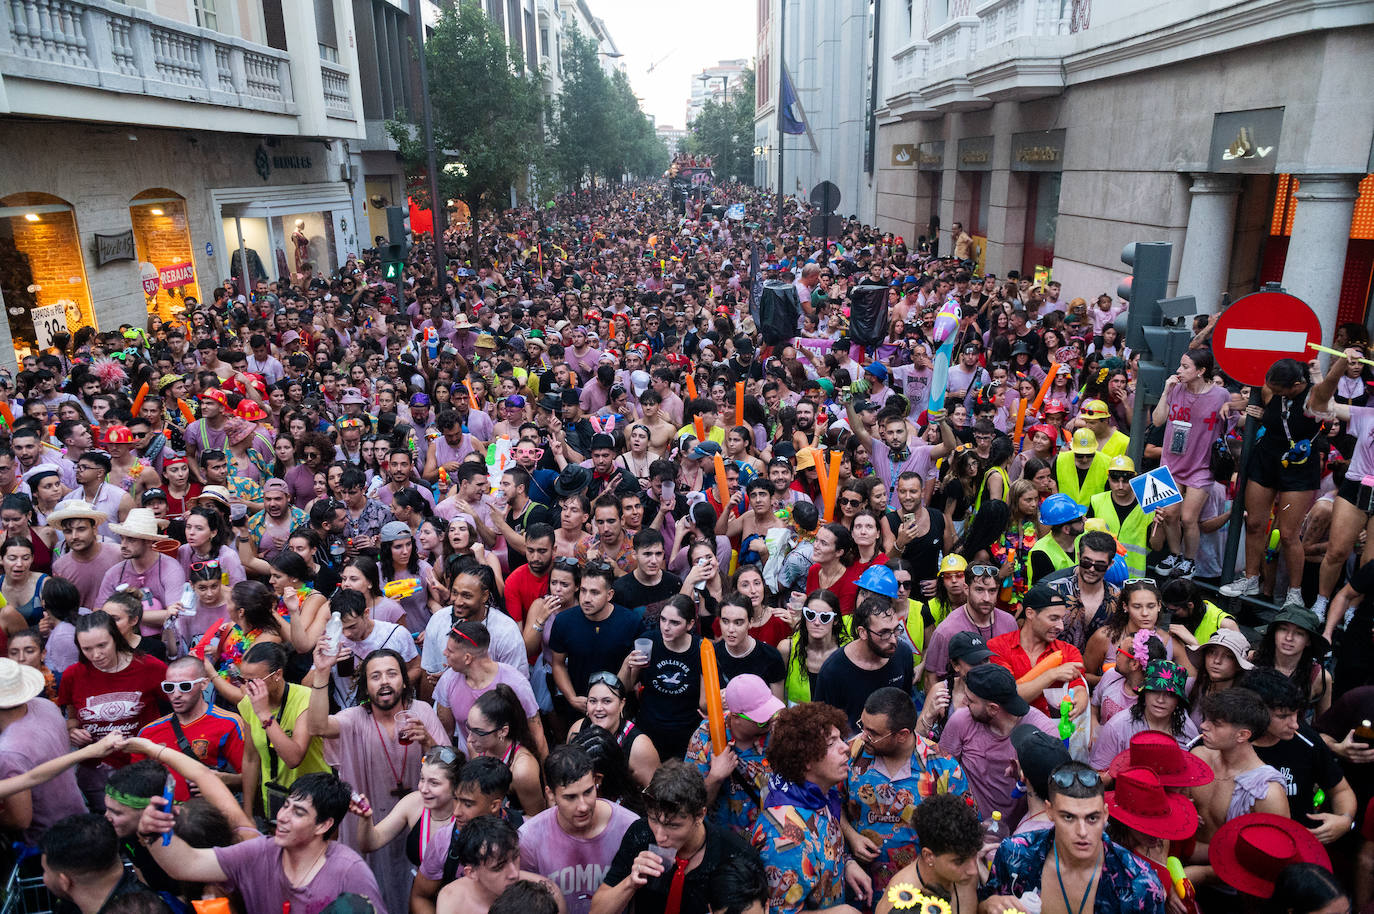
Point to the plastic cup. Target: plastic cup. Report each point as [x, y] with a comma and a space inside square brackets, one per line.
[644, 645]
[667, 854]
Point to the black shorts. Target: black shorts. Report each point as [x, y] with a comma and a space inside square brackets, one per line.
[1349, 489]
[1267, 469]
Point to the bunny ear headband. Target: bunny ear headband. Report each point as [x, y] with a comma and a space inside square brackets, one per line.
[604, 425]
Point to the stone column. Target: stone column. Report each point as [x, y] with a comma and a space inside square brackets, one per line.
[1206, 263]
[1316, 252]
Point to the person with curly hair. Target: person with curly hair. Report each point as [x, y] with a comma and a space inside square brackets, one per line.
[949, 836]
[798, 833]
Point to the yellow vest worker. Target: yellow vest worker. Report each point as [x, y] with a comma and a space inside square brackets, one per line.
[1110, 441]
[1064, 517]
[1121, 513]
[1081, 471]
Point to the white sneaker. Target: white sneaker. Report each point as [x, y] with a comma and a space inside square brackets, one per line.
[1184, 569]
[1241, 587]
[1168, 565]
[1295, 596]
[1320, 606]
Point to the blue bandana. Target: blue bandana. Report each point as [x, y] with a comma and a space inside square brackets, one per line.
[803, 796]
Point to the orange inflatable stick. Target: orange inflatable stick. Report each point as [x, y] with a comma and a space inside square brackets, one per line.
[472, 397]
[7, 414]
[700, 427]
[138, 399]
[186, 413]
[691, 387]
[1020, 424]
[739, 403]
[1052, 660]
[832, 484]
[1045, 387]
[722, 484]
[710, 686]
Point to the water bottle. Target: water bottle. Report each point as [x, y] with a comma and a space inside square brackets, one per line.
[333, 633]
[994, 829]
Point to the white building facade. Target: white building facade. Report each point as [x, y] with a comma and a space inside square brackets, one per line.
[139, 146]
[1058, 131]
[716, 83]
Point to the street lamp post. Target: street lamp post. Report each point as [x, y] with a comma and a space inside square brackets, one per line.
[707, 79]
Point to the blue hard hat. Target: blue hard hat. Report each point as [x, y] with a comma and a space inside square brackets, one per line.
[879, 579]
[1117, 572]
[1059, 509]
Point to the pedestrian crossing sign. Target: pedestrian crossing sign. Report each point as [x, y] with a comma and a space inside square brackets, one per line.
[1156, 489]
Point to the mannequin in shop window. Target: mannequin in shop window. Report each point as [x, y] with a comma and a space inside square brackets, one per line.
[302, 245]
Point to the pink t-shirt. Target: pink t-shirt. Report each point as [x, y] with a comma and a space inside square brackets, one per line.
[453, 692]
[1111, 697]
[87, 575]
[255, 868]
[1361, 428]
[987, 758]
[576, 865]
[1193, 421]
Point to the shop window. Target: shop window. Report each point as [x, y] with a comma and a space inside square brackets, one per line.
[162, 238]
[41, 268]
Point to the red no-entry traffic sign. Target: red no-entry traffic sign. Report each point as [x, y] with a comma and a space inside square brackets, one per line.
[1259, 329]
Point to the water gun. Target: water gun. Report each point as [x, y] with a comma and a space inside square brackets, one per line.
[400, 589]
[1182, 884]
[1271, 552]
[1318, 800]
[443, 477]
[6, 415]
[432, 342]
[1066, 726]
[169, 788]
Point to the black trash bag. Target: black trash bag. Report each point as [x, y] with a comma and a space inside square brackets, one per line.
[868, 314]
[777, 312]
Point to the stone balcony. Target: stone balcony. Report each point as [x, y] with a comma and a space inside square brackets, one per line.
[105, 45]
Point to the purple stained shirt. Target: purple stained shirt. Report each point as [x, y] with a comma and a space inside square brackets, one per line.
[584, 364]
[1361, 428]
[254, 868]
[987, 758]
[1114, 737]
[888, 468]
[576, 865]
[937, 643]
[453, 692]
[373, 762]
[41, 736]
[1190, 464]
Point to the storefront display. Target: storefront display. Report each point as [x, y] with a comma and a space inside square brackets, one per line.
[42, 266]
[163, 240]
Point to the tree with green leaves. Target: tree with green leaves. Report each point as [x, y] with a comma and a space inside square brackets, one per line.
[487, 112]
[725, 132]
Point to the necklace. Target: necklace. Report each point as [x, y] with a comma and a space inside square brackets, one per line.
[992, 624]
[1088, 890]
[305, 876]
[953, 895]
[399, 790]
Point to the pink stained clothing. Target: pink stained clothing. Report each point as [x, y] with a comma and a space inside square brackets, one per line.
[987, 758]
[453, 692]
[301, 480]
[447, 453]
[163, 581]
[372, 762]
[583, 365]
[41, 736]
[1190, 467]
[191, 625]
[436, 853]
[1111, 696]
[62, 651]
[254, 868]
[1103, 318]
[1361, 428]
[414, 608]
[87, 575]
[576, 865]
[108, 498]
[937, 642]
[386, 496]
[1114, 737]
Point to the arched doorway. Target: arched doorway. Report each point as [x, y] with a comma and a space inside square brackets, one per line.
[162, 238]
[42, 270]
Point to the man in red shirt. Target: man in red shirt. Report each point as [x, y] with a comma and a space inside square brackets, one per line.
[530, 581]
[1020, 651]
[210, 736]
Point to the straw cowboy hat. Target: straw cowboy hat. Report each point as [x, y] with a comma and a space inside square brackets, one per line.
[141, 523]
[76, 508]
[18, 683]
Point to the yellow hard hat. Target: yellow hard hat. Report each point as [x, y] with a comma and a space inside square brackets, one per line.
[1094, 409]
[1095, 524]
[953, 564]
[1121, 464]
[1084, 442]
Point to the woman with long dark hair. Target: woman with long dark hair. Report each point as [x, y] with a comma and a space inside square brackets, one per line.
[21, 586]
[819, 633]
[1137, 609]
[208, 539]
[252, 618]
[1293, 645]
[606, 710]
[671, 677]
[497, 727]
[835, 565]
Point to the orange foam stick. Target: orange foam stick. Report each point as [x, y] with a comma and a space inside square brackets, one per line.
[472, 397]
[710, 686]
[832, 483]
[186, 413]
[700, 427]
[819, 461]
[1045, 387]
[138, 398]
[1052, 660]
[691, 386]
[739, 403]
[7, 413]
[1020, 423]
[612, 328]
[722, 484]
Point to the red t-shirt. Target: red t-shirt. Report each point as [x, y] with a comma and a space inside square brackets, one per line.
[216, 740]
[1008, 652]
[770, 632]
[121, 702]
[522, 589]
[846, 588]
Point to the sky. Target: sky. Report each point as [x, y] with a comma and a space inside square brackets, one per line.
[677, 40]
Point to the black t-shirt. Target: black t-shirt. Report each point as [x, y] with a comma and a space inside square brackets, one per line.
[593, 646]
[629, 591]
[843, 685]
[1306, 763]
[652, 897]
[671, 685]
[1352, 668]
[763, 661]
[534, 513]
[923, 552]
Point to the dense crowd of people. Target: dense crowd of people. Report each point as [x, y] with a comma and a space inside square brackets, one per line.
[566, 583]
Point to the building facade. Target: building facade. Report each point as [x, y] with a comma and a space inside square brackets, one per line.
[1058, 132]
[142, 151]
[717, 83]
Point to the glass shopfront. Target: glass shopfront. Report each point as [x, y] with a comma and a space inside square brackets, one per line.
[162, 238]
[42, 270]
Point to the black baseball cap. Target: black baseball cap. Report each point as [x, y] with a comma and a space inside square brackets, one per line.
[994, 683]
[1039, 754]
[1041, 596]
[968, 647]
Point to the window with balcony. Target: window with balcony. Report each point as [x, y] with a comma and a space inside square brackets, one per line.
[207, 16]
[326, 31]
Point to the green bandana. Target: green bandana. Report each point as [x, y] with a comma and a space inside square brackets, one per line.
[126, 799]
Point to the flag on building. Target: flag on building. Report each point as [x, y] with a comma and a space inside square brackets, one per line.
[791, 114]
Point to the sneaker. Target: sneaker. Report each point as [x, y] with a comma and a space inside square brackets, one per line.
[1294, 595]
[1320, 606]
[1241, 587]
[1168, 565]
[1184, 569]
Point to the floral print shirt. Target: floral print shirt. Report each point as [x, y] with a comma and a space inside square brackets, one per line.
[737, 802]
[803, 857]
[883, 810]
[1126, 885]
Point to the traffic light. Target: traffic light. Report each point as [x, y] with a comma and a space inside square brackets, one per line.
[393, 262]
[398, 228]
[1147, 284]
[1167, 345]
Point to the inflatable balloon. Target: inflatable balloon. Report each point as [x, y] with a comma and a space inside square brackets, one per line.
[946, 321]
[939, 378]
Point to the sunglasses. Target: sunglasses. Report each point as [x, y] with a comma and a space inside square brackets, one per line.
[822, 616]
[442, 755]
[851, 502]
[171, 688]
[350, 423]
[1065, 777]
[609, 680]
[1119, 477]
[212, 564]
[1150, 581]
[456, 632]
[984, 571]
[1090, 565]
